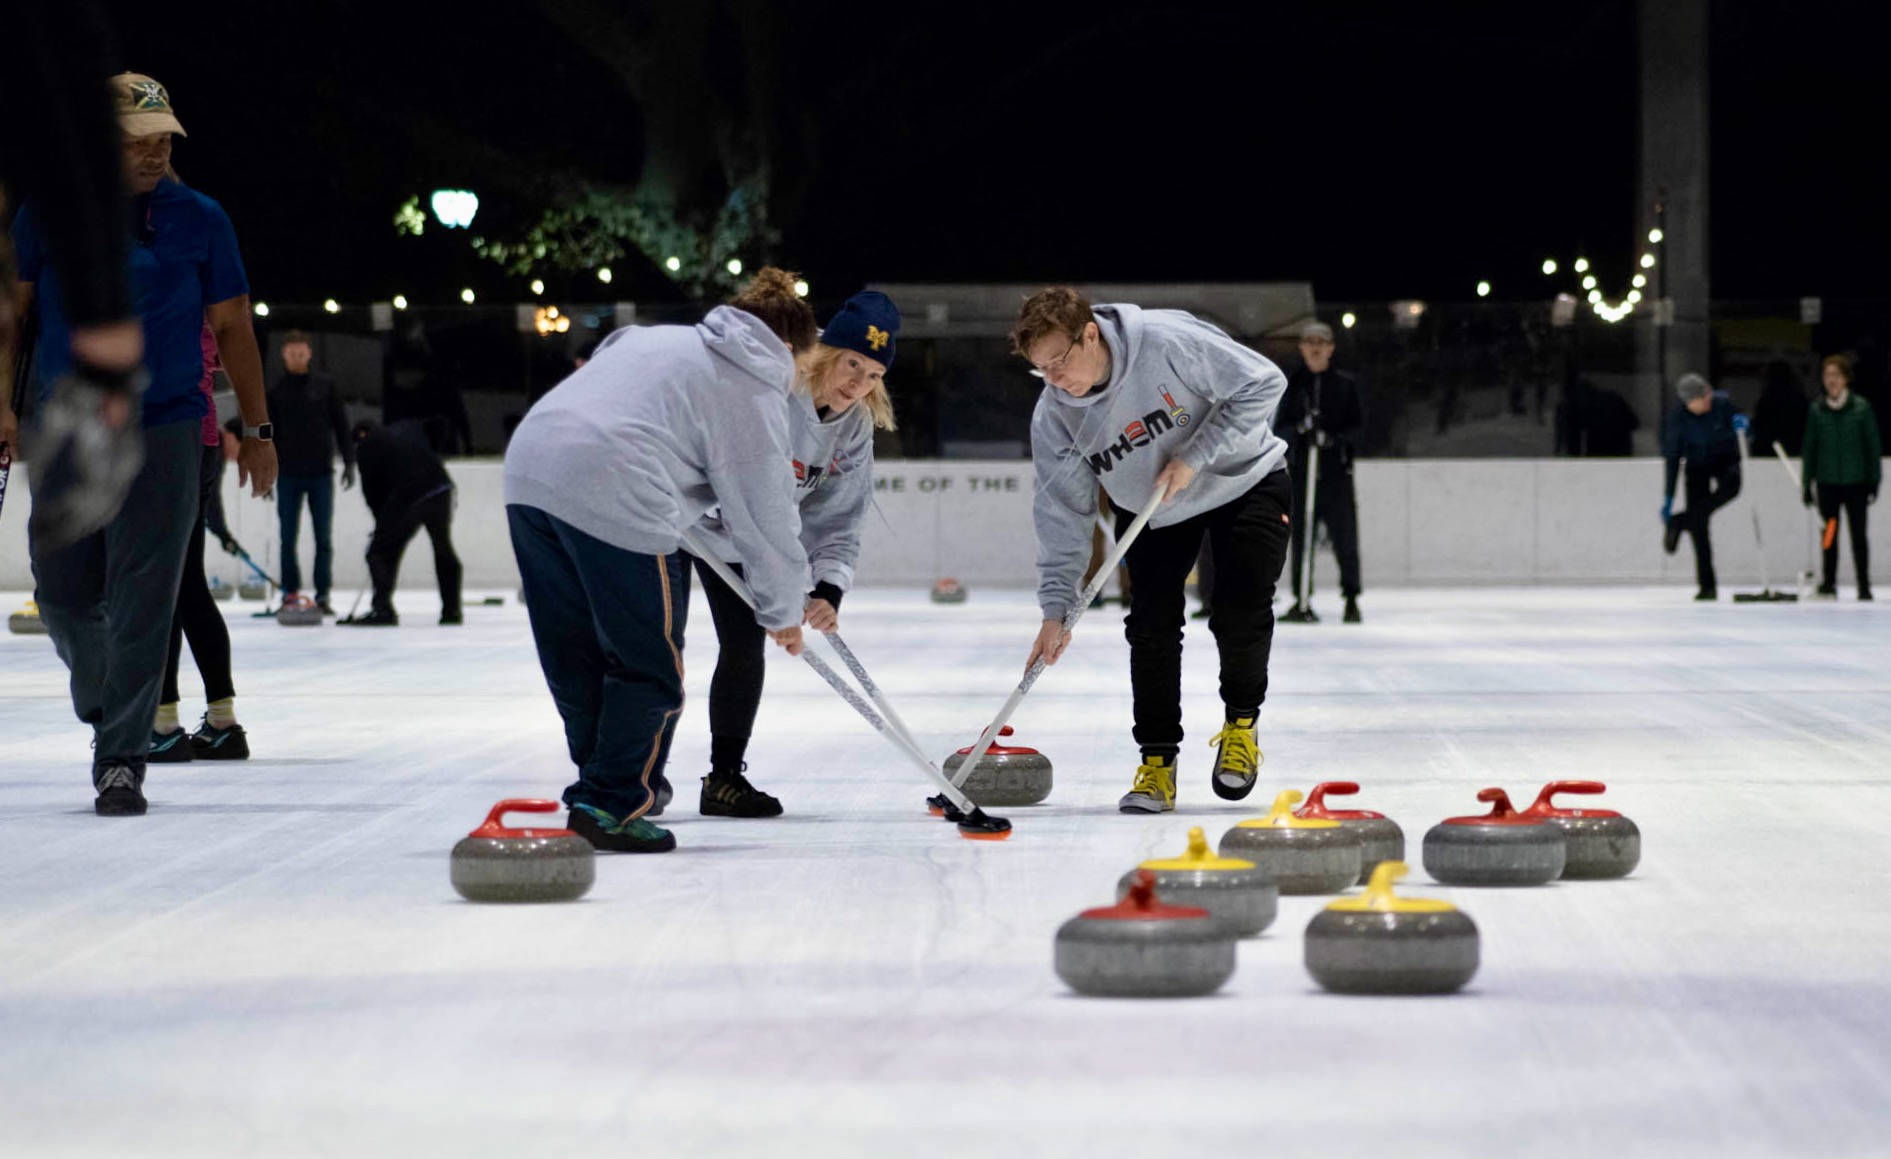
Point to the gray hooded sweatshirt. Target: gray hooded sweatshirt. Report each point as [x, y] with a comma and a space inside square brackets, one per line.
[1178, 388]
[663, 424]
[833, 477]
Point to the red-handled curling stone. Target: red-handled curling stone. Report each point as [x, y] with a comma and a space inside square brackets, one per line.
[1005, 775]
[948, 591]
[1601, 842]
[1502, 847]
[1141, 948]
[1380, 838]
[498, 863]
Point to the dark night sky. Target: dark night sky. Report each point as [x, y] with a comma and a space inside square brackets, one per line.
[1378, 151]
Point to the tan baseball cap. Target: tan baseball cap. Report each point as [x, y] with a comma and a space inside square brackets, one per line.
[143, 106]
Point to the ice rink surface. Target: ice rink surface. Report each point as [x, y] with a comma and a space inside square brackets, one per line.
[272, 962]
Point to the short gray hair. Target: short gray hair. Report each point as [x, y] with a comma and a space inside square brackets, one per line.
[1316, 330]
[1691, 386]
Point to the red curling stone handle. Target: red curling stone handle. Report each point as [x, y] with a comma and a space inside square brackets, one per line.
[1544, 799]
[495, 825]
[1317, 798]
[1498, 800]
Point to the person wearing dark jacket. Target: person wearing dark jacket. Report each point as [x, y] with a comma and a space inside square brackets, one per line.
[1844, 458]
[1703, 431]
[406, 487]
[310, 426]
[1324, 410]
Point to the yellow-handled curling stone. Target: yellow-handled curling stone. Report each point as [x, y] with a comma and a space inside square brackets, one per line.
[1237, 893]
[1380, 943]
[1303, 854]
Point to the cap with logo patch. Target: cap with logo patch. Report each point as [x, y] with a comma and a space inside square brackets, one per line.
[143, 107]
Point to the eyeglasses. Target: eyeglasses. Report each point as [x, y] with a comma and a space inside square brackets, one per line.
[1056, 365]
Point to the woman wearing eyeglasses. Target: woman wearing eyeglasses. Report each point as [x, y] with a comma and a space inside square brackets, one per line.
[1134, 398]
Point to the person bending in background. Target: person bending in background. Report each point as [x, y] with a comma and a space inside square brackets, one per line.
[1324, 413]
[220, 737]
[1703, 431]
[311, 425]
[407, 488]
[603, 477]
[1844, 459]
[840, 398]
[1134, 398]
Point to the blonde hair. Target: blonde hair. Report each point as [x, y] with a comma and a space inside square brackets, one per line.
[816, 364]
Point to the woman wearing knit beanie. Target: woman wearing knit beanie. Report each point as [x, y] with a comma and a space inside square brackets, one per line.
[839, 399]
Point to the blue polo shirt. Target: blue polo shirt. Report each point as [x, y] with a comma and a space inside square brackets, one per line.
[183, 259]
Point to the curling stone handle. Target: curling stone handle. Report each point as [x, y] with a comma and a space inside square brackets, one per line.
[495, 825]
[1005, 731]
[1316, 800]
[1142, 891]
[1498, 800]
[1544, 801]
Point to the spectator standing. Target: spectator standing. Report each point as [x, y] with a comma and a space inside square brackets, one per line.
[1702, 431]
[311, 426]
[407, 488]
[1844, 460]
[1324, 413]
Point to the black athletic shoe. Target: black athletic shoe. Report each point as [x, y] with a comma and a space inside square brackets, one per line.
[1864, 595]
[1299, 614]
[452, 617]
[210, 743]
[611, 835]
[1827, 592]
[729, 794]
[1671, 537]
[1706, 594]
[120, 789]
[169, 747]
[322, 603]
[372, 618]
[1352, 611]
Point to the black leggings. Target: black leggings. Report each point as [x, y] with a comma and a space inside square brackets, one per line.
[1249, 537]
[197, 614]
[1708, 490]
[1852, 499]
[735, 691]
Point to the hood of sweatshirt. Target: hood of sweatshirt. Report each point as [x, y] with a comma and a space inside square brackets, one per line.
[744, 342]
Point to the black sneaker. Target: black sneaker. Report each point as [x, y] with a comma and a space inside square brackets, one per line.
[1827, 592]
[120, 788]
[1352, 611]
[1299, 614]
[607, 833]
[452, 617]
[322, 603]
[169, 747]
[729, 794]
[210, 743]
[1864, 595]
[1707, 594]
[372, 618]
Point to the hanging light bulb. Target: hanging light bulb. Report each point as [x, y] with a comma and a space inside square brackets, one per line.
[1549, 266]
[1581, 266]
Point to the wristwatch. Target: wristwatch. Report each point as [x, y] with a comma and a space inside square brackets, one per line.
[266, 433]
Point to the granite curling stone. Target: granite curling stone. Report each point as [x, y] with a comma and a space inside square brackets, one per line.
[26, 621]
[299, 612]
[497, 863]
[1304, 855]
[948, 591]
[1502, 847]
[1239, 894]
[1141, 948]
[1005, 775]
[1599, 842]
[252, 590]
[1380, 838]
[221, 591]
[1379, 943]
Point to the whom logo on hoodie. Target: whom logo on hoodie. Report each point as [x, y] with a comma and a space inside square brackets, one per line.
[1139, 433]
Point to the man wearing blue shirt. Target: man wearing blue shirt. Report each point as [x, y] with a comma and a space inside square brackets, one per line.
[107, 598]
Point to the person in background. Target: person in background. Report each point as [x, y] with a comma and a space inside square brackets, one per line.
[108, 597]
[1324, 413]
[311, 425]
[1844, 460]
[840, 398]
[406, 487]
[1779, 416]
[220, 737]
[1702, 431]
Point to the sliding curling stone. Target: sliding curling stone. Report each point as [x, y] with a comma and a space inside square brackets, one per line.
[1304, 855]
[1005, 775]
[1599, 842]
[252, 590]
[1141, 948]
[497, 863]
[26, 621]
[1239, 894]
[1380, 838]
[948, 591]
[1380, 943]
[1502, 847]
[299, 612]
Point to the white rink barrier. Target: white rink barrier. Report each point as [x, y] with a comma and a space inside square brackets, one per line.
[1422, 522]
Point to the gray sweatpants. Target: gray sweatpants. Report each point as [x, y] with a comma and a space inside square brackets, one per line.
[107, 600]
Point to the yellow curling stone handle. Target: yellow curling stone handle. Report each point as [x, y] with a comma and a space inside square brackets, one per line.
[1199, 856]
[1281, 816]
[1379, 897]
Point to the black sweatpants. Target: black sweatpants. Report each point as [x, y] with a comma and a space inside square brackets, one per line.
[1853, 499]
[735, 690]
[1336, 506]
[1708, 490]
[389, 542]
[1250, 536]
[197, 615]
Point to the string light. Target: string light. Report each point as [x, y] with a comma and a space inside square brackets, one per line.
[538, 285]
[604, 274]
[1483, 289]
[1655, 236]
[734, 267]
[673, 264]
[466, 295]
[1349, 319]
[1581, 266]
[400, 301]
[1638, 281]
[332, 306]
[1589, 282]
[801, 288]
[1648, 261]
[1549, 266]
[261, 309]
